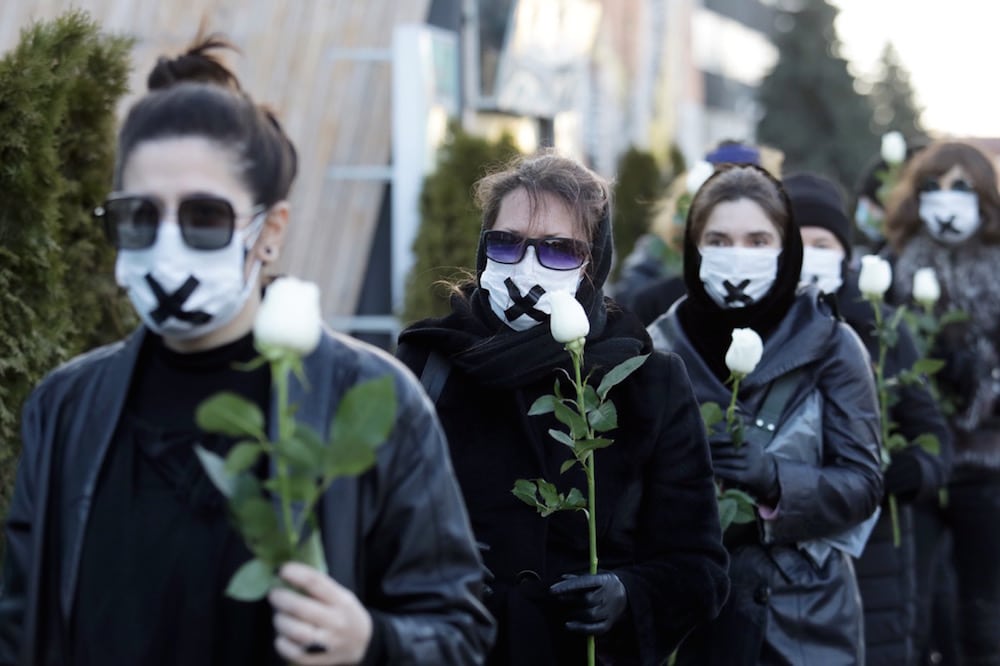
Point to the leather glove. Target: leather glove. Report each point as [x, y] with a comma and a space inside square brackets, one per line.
[960, 375]
[904, 478]
[747, 465]
[592, 603]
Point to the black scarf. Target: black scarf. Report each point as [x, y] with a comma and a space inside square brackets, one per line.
[710, 326]
[477, 342]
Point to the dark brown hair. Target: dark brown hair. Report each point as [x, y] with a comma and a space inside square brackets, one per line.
[903, 214]
[585, 193]
[732, 183]
[195, 94]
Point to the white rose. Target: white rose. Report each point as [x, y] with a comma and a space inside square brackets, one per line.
[926, 289]
[289, 317]
[744, 352]
[893, 148]
[697, 175]
[568, 320]
[875, 277]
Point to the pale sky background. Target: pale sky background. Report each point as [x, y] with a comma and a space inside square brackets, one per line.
[950, 47]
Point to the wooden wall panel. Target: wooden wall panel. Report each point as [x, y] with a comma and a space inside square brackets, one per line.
[337, 110]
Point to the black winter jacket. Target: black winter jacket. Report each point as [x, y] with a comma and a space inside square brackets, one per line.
[887, 572]
[397, 536]
[657, 519]
[794, 596]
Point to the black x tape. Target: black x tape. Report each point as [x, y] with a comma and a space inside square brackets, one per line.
[171, 305]
[735, 294]
[523, 305]
[947, 226]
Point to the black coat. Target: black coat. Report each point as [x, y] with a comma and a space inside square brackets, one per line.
[794, 597]
[887, 572]
[397, 536]
[657, 519]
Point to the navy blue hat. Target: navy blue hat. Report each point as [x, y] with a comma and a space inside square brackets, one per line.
[818, 202]
[733, 152]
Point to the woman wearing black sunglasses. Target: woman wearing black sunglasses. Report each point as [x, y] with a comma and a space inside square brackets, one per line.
[546, 228]
[945, 214]
[119, 548]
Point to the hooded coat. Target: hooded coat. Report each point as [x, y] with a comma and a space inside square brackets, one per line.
[794, 595]
[657, 521]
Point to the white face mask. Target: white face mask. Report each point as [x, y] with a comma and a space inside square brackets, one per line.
[950, 216]
[868, 220]
[519, 293]
[183, 293]
[735, 277]
[823, 268]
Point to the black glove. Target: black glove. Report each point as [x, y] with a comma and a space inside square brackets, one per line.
[960, 375]
[904, 478]
[749, 466]
[592, 603]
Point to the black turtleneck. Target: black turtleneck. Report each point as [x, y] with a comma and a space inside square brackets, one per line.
[159, 549]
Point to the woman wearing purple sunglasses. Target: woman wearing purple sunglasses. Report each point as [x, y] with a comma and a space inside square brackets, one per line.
[547, 228]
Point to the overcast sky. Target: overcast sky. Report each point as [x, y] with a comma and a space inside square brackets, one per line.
[952, 49]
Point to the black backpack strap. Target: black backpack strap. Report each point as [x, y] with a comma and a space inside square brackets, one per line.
[778, 394]
[435, 374]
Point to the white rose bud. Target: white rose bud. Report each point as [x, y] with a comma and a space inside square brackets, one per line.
[568, 321]
[926, 289]
[876, 276]
[893, 148]
[289, 318]
[744, 352]
[697, 176]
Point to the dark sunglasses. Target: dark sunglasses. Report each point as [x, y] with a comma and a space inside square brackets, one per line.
[560, 254]
[958, 185]
[131, 222]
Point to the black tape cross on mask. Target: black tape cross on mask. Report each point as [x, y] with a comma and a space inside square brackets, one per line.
[523, 305]
[734, 294]
[171, 305]
[947, 226]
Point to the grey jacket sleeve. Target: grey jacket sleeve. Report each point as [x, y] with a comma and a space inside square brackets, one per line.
[818, 501]
[430, 578]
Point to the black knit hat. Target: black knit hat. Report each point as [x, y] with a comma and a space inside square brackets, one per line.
[818, 202]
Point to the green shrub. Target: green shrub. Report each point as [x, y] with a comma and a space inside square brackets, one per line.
[638, 186]
[58, 91]
[445, 246]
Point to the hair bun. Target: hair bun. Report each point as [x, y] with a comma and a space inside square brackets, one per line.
[195, 64]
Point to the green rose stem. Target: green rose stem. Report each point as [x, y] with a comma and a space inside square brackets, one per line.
[575, 350]
[281, 368]
[883, 402]
[731, 411]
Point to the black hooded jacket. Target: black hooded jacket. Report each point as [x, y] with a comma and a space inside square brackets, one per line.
[794, 595]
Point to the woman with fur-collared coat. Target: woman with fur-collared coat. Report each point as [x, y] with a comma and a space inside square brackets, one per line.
[810, 449]
[945, 215]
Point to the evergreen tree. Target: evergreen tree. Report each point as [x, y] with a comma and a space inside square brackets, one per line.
[58, 91]
[445, 246]
[810, 107]
[638, 185]
[892, 98]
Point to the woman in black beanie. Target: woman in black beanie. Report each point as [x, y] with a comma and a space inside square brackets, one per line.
[546, 227]
[809, 450]
[891, 578]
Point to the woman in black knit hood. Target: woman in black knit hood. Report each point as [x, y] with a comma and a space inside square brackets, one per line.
[809, 454]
